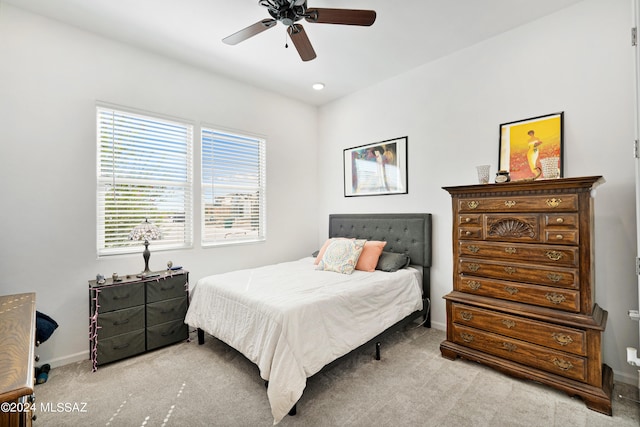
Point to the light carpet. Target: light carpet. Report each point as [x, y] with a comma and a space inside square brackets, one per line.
[412, 385]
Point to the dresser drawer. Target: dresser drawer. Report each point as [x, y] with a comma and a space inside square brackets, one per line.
[120, 296]
[546, 203]
[543, 296]
[566, 256]
[559, 277]
[512, 228]
[167, 310]
[545, 334]
[120, 346]
[165, 288]
[543, 358]
[120, 321]
[166, 333]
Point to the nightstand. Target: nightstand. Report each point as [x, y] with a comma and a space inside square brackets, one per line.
[137, 314]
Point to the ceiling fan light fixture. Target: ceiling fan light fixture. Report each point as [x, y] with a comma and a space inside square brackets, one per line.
[318, 86]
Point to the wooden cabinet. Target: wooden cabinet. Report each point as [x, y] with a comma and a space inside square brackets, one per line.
[17, 357]
[135, 315]
[523, 297]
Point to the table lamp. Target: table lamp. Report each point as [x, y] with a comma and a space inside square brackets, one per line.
[145, 231]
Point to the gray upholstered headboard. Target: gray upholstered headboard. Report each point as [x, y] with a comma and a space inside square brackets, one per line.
[404, 233]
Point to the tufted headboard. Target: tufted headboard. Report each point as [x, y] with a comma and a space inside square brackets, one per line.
[404, 233]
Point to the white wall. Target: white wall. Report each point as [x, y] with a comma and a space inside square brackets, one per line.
[579, 61]
[51, 76]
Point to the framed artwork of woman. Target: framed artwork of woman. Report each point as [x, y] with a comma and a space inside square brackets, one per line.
[532, 148]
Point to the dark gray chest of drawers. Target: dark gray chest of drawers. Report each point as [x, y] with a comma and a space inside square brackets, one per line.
[135, 315]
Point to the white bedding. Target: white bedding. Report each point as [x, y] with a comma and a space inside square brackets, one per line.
[291, 319]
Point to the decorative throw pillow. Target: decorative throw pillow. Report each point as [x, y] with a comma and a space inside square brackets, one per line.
[341, 256]
[370, 255]
[324, 247]
[391, 261]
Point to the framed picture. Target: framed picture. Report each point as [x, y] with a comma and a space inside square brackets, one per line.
[532, 148]
[376, 169]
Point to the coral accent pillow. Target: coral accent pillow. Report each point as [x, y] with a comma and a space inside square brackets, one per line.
[341, 256]
[370, 255]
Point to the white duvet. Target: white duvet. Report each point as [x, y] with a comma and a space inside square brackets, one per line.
[291, 319]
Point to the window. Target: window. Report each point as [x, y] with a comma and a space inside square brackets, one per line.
[144, 172]
[233, 188]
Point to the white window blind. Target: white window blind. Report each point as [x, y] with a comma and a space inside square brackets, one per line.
[233, 188]
[144, 171]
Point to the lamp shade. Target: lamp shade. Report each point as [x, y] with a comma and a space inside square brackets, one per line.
[145, 231]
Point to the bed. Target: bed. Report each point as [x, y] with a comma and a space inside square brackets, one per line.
[292, 320]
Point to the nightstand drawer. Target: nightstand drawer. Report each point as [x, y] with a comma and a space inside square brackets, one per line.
[545, 334]
[167, 310]
[120, 346]
[118, 297]
[549, 360]
[166, 333]
[165, 288]
[120, 321]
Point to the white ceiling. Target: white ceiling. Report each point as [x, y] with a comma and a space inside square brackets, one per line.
[406, 34]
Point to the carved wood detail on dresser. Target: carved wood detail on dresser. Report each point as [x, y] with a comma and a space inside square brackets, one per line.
[17, 358]
[523, 299]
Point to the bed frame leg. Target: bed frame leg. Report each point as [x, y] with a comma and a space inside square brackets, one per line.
[293, 410]
[200, 336]
[378, 350]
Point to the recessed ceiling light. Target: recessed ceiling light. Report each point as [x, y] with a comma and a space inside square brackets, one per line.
[318, 86]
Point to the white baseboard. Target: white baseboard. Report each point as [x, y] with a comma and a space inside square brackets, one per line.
[65, 360]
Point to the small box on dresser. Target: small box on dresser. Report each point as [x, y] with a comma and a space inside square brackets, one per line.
[137, 314]
[523, 298]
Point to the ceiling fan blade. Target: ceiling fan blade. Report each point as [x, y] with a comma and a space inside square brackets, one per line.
[301, 42]
[341, 16]
[250, 31]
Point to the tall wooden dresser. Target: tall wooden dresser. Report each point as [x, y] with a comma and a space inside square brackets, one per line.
[17, 357]
[523, 299]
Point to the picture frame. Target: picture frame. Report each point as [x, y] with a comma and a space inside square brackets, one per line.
[533, 148]
[376, 169]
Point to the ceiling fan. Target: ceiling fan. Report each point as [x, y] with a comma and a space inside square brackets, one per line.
[291, 11]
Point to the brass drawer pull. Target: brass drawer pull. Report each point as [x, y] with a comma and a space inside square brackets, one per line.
[510, 270]
[554, 203]
[473, 204]
[474, 285]
[562, 339]
[509, 203]
[467, 219]
[508, 323]
[468, 233]
[474, 267]
[473, 249]
[559, 220]
[554, 255]
[555, 298]
[466, 315]
[509, 347]
[510, 251]
[511, 290]
[466, 337]
[554, 277]
[559, 237]
[565, 365]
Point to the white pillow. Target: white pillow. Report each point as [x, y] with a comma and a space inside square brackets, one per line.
[341, 255]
